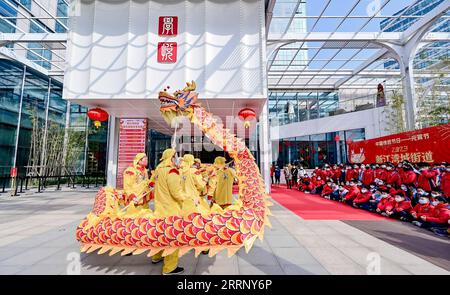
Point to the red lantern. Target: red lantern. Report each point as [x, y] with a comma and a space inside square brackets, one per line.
[97, 115]
[247, 115]
[349, 141]
[337, 138]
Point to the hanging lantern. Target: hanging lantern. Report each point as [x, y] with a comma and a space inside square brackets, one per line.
[247, 115]
[98, 116]
[349, 141]
[337, 138]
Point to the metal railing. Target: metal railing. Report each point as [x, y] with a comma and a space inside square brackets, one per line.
[43, 182]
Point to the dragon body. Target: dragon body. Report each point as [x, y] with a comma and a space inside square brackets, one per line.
[110, 228]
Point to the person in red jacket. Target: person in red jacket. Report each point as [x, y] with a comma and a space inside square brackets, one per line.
[326, 172]
[368, 175]
[353, 191]
[317, 172]
[336, 174]
[386, 203]
[362, 200]
[422, 208]
[438, 219]
[409, 177]
[318, 184]
[401, 208]
[327, 189]
[305, 184]
[445, 182]
[427, 177]
[381, 172]
[393, 177]
[356, 171]
[348, 173]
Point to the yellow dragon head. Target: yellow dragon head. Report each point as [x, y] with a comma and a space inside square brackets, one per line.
[179, 103]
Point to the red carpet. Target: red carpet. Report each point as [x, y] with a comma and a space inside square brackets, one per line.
[314, 207]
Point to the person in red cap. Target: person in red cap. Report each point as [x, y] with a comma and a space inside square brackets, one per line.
[401, 208]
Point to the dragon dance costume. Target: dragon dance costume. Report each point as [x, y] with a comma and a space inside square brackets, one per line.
[179, 222]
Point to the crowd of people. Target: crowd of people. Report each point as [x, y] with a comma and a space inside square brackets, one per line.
[417, 193]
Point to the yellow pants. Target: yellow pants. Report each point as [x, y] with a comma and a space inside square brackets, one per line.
[170, 261]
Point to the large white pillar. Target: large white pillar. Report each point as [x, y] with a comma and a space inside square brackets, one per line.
[265, 147]
[409, 93]
[112, 152]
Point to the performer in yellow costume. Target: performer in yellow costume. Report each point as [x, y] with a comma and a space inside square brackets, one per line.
[136, 184]
[193, 183]
[169, 197]
[221, 183]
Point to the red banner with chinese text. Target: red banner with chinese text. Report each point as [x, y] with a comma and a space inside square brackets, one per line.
[132, 139]
[431, 145]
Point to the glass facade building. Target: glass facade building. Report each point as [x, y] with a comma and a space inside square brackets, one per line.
[291, 107]
[316, 150]
[27, 99]
[435, 51]
[32, 109]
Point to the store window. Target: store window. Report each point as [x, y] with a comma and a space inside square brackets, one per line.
[315, 150]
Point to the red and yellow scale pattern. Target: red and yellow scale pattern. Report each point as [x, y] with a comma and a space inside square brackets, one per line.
[229, 229]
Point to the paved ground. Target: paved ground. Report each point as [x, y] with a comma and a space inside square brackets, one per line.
[37, 237]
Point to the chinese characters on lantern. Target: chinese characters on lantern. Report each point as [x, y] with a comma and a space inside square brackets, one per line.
[167, 51]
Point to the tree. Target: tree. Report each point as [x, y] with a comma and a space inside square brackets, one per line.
[433, 103]
[395, 121]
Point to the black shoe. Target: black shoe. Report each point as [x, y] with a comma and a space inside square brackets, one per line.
[440, 232]
[176, 271]
[206, 252]
[129, 254]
